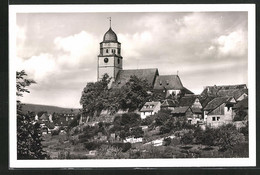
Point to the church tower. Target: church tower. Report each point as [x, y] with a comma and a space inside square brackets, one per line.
[109, 58]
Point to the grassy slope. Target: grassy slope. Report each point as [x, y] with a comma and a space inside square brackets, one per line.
[50, 109]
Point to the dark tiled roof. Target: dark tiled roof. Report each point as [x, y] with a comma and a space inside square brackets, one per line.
[216, 102]
[110, 36]
[180, 110]
[123, 76]
[44, 117]
[205, 101]
[242, 104]
[213, 90]
[236, 93]
[187, 100]
[196, 110]
[186, 91]
[168, 82]
[168, 103]
[147, 107]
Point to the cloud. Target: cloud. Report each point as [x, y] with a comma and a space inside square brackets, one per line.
[76, 49]
[235, 44]
[39, 67]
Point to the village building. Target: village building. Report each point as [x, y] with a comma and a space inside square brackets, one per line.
[219, 111]
[168, 104]
[191, 108]
[150, 108]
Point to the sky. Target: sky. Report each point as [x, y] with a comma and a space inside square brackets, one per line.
[59, 50]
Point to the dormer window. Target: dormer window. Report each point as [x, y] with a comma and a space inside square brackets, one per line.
[167, 82]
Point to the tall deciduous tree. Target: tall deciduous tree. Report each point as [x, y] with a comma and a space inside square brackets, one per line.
[28, 134]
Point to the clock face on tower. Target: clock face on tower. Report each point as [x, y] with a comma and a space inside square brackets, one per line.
[105, 60]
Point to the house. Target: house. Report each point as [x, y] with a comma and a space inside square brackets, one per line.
[191, 115]
[192, 101]
[44, 117]
[219, 111]
[150, 108]
[171, 85]
[194, 114]
[168, 104]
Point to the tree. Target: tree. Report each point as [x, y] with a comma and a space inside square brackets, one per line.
[28, 134]
[94, 96]
[228, 136]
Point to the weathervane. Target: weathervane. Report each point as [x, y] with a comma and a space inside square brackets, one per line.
[109, 21]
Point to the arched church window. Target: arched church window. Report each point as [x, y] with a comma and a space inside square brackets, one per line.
[118, 51]
[106, 50]
[105, 60]
[118, 61]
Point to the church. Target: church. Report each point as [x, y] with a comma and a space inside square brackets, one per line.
[110, 62]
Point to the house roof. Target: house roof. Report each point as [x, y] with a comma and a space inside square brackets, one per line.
[44, 117]
[187, 100]
[205, 101]
[236, 93]
[213, 90]
[242, 104]
[124, 76]
[149, 106]
[180, 110]
[168, 82]
[168, 103]
[196, 110]
[216, 102]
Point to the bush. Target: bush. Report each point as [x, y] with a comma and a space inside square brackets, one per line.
[130, 119]
[55, 132]
[167, 141]
[228, 137]
[148, 120]
[123, 146]
[187, 138]
[137, 132]
[92, 145]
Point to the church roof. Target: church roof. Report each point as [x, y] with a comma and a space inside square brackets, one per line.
[110, 36]
[168, 82]
[123, 76]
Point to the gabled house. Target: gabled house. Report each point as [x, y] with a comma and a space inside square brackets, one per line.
[168, 104]
[171, 85]
[150, 108]
[219, 111]
[193, 102]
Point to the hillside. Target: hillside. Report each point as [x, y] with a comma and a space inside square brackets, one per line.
[50, 109]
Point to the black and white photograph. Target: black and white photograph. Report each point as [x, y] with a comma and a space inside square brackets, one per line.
[132, 85]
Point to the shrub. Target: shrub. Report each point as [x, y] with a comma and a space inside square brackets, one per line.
[167, 141]
[187, 138]
[92, 145]
[137, 132]
[228, 137]
[123, 146]
[55, 132]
